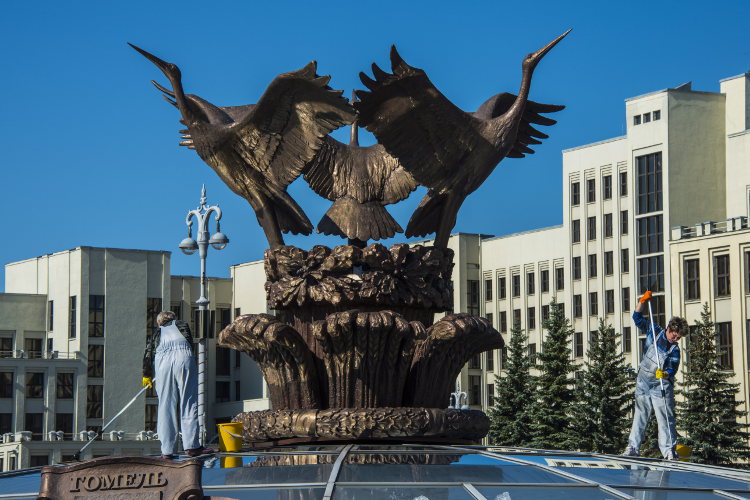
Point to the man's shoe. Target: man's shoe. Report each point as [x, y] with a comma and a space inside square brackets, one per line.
[671, 455]
[630, 452]
[169, 457]
[195, 452]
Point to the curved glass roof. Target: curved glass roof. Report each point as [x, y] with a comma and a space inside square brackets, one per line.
[435, 472]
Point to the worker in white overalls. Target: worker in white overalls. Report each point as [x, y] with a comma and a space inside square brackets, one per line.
[169, 359]
[654, 389]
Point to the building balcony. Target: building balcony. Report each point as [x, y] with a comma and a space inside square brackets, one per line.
[709, 227]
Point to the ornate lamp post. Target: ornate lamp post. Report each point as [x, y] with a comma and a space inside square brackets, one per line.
[189, 246]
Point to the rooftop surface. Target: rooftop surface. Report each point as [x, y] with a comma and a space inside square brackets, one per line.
[431, 472]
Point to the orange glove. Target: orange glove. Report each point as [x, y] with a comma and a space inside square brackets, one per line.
[646, 297]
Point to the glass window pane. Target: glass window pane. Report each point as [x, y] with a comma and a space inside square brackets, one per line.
[673, 494]
[269, 494]
[653, 478]
[401, 492]
[497, 492]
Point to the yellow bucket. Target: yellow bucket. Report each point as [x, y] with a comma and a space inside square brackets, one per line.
[230, 436]
[684, 452]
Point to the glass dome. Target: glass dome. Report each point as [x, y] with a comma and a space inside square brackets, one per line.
[437, 472]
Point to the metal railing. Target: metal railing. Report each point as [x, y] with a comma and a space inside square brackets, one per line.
[710, 227]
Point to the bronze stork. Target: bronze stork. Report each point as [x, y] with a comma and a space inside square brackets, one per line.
[360, 180]
[259, 149]
[448, 150]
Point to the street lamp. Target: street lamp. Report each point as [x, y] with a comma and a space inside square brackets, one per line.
[189, 246]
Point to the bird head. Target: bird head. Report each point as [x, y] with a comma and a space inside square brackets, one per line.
[531, 60]
[170, 70]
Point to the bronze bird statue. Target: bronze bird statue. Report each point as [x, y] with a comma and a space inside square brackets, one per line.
[446, 149]
[359, 180]
[259, 149]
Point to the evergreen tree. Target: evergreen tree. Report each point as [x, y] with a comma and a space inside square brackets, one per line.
[601, 415]
[554, 395]
[509, 418]
[709, 415]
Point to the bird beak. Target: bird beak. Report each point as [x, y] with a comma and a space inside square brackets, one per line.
[162, 65]
[537, 56]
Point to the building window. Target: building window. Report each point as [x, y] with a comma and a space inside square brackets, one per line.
[590, 190]
[623, 222]
[576, 231]
[487, 289]
[96, 361]
[475, 362]
[223, 360]
[627, 341]
[65, 387]
[545, 314]
[650, 235]
[50, 315]
[531, 318]
[6, 347]
[724, 345]
[475, 396]
[34, 422]
[607, 225]
[490, 318]
[96, 315]
[607, 187]
[649, 183]
[222, 391]
[490, 360]
[94, 399]
[503, 357]
[544, 280]
[659, 309]
[592, 266]
[530, 283]
[34, 385]
[609, 302]
[516, 285]
[626, 299]
[656, 114]
[593, 303]
[577, 306]
[646, 117]
[503, 322]
[33, 348]
[636, 119]
[472, 297]
[237, 312]
[237, 359]
[72, 317]
[609, 263]
[64, 423]
[237, 392]
[623, 183]
[721, 276]
[516, 318]
[490, 394]
[6, 384]
[575, 193]
[625, 260]
[153, 308]
[651, 274]
[501, 287]
[747, 272]
[559, 278]
[177, 310]
[149, 423]
[578, 344]
[532, 354]
[691, 269]
[6, 425]
[576, 265]
[591, 226]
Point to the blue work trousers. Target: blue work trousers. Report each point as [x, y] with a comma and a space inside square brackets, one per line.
[176, 381]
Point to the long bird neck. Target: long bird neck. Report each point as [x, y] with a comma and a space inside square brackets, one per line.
[519, 105]
[354, 134]
[179, 97]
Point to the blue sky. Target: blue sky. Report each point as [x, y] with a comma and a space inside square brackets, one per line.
[89, 149]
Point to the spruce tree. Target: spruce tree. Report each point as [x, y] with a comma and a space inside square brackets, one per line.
[509, 418]
[708, 416]
[601, 415]
[554, 395]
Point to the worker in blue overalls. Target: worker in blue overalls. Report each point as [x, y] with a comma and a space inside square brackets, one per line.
[654, 390]
[169, 359]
